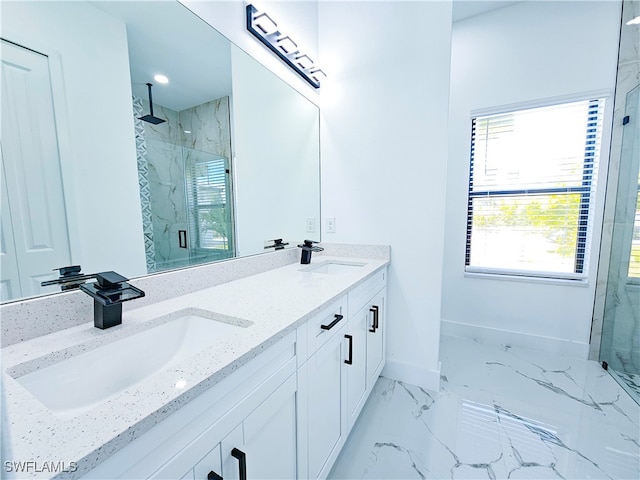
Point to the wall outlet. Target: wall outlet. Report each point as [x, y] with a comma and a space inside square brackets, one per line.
[311, 225]
[331, 225]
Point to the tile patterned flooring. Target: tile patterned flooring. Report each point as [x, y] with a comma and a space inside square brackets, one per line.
[501, 413]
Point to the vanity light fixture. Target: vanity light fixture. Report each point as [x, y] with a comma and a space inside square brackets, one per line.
[265, 29]
[287, 45]
[317, 75]
[265, 24]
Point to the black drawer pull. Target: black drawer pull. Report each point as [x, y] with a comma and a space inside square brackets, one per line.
[338, 317]
[375, 311]
[213, 476]
[349, 361]
[242, 462]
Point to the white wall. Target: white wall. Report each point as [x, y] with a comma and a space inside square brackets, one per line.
[384, 152]
[299, 19]
[522, 53]
[96, 133]
[276, 179]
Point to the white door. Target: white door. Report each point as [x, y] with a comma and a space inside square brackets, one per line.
[35, 204]
[10, 281]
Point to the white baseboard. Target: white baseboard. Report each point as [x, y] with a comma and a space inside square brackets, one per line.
[412, 374]
[518, 339]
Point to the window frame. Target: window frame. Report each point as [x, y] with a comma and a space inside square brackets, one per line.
[595, 156]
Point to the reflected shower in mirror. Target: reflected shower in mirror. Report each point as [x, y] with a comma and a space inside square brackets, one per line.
[234, 163]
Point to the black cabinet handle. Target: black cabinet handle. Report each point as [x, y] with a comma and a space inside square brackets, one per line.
[213, 476]
[349, 361]
[182, 238]
[332, 324]
[375, 310]
[242, 462]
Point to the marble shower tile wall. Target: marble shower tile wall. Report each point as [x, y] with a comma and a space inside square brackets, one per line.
[166, 187]
[168, 198]
[209, 127]
[609, 269]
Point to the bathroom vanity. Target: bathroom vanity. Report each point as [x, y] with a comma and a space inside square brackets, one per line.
[260, 377]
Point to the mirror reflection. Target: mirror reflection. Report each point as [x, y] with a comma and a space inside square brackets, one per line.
[223, 159]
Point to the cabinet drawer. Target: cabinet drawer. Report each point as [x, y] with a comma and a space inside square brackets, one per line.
[326, 324]
[360, 295]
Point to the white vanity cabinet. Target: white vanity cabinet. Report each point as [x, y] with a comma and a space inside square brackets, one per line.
[284, 414]
[365, 336]
[342, 372]
[254, 410]
[325, 380]
[262, 446]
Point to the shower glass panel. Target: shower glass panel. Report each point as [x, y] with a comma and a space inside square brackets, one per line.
[209, 206]
[620, 345]
[190, 205]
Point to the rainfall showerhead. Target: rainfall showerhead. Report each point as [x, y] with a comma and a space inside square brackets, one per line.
[150, 118]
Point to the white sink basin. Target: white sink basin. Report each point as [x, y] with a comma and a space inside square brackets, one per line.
[332, 267]
[74, 385]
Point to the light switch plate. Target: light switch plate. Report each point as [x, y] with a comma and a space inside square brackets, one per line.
[311, 225]
[331, 225]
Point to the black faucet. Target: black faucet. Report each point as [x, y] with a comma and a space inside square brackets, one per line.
[108, 292]
[70, 277]
[307, 248]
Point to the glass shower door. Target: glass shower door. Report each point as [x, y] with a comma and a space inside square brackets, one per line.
[209, 203]
[620, 345]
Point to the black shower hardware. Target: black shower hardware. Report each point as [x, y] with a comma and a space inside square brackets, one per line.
[150, 118]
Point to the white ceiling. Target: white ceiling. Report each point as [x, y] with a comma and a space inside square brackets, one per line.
[470, 8]
[167, 38]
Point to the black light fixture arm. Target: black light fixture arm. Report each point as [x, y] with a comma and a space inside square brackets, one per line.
[310, 74]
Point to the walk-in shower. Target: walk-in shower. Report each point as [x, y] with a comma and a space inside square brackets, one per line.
[619, 273]
[620, 345]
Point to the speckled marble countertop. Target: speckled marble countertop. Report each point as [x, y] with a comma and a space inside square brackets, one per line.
[276, 302]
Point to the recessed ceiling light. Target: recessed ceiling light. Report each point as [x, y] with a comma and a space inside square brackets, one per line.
[634, 21]
[161, 78]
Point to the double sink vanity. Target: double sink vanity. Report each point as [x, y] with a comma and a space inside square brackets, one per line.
[259, 377]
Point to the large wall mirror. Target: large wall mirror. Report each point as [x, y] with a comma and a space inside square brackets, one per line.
[229, 160]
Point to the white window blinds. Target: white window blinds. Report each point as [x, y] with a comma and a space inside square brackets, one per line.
[532, 180]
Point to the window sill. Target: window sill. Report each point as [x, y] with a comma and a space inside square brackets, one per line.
[528, 279]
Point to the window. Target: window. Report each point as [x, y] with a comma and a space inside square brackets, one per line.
[531, 187]
[209, 203]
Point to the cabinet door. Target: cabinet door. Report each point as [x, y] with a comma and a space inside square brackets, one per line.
[264, 446]
[375, 339]
[355, 363]
[270, 434]
[209, 466]
[326, 384]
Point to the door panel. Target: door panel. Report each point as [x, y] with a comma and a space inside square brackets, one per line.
[32, 167]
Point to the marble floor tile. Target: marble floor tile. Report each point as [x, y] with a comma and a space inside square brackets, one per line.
[631, 383]
[501, 413]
